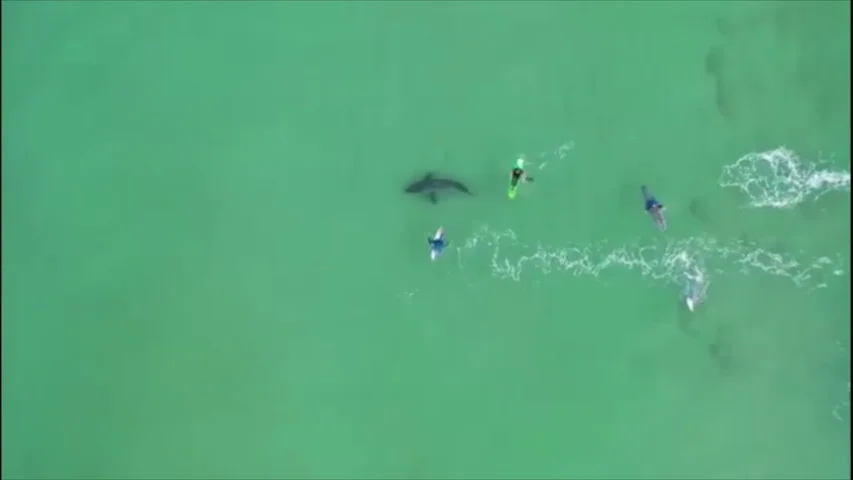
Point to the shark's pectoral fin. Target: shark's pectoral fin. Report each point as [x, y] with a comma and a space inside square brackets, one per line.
[432, 197]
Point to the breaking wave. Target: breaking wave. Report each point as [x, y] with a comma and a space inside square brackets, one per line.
[781, 179]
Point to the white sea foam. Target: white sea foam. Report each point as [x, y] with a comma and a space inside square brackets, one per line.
[556, 155]
[781, 179]
[668, 261]
[776, 178]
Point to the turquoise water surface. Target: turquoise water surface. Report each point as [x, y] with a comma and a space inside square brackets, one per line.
[210, 269]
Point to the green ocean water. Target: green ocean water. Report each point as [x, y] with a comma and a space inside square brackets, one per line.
[210, 269]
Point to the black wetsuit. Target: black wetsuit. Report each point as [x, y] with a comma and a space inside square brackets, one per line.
[517, 173]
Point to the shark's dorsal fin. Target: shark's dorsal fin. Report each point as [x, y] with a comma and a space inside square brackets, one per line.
[429, 176]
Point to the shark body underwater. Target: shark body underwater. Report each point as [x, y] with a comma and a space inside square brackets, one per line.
[430, 186]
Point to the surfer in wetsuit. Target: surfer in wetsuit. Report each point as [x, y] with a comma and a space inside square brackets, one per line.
[654, 208]
[652, 205]
[518, 174]
[437, 243]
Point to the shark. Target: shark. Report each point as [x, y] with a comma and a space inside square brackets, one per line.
[430, 185]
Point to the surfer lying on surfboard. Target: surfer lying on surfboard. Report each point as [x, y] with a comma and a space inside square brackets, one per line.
[654, 208]
[437, 244]
[517, 174]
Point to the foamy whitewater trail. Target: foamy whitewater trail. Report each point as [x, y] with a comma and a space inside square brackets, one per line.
[776, 178]
[781, 179]
[667, 261]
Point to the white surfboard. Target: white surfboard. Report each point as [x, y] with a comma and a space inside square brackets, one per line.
[660, 221]
[433, 253]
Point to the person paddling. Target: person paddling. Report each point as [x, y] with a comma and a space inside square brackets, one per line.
[437, 244]
[654, 208]
[516, 175]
